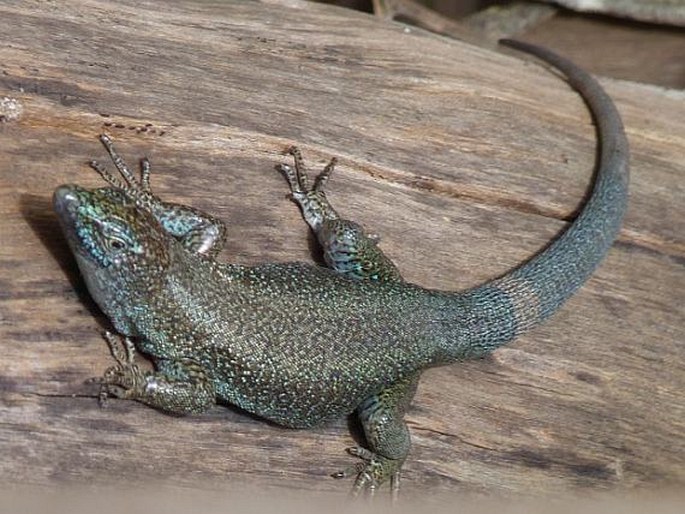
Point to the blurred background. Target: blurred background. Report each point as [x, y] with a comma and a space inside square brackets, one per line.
[637, 40]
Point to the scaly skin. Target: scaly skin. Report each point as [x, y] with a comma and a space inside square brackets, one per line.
[300, 344]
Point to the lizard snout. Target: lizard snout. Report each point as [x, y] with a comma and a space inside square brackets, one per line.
[65, 199]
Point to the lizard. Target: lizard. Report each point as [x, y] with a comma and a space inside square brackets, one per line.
[301, 344]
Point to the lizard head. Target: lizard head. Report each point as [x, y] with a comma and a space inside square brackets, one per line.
[114, 240]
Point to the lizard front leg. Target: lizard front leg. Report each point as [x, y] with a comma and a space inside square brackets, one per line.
[179, 386]
[197, 231]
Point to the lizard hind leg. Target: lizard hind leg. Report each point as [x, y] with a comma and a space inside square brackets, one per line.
[387, 435]
[316, 209]
[347, 248]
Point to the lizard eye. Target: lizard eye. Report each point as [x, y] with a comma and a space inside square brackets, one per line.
[114, 237]
[116, 244]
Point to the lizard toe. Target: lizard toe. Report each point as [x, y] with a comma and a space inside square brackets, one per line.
[373, 471]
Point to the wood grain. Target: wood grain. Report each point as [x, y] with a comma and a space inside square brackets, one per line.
[466, 162]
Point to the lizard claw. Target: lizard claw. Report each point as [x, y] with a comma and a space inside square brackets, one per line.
[311, 198]
[116, 382]
[125, 378]
[136, 187]
[373, 471]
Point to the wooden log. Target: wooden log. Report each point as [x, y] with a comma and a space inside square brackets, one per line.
[466, 161]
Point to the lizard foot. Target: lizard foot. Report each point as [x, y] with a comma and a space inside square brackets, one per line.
[126, 378]
[136, 187]
[373, 471]
[347, 247]
[311, 199]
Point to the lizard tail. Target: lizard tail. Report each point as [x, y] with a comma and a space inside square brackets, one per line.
[498, 311]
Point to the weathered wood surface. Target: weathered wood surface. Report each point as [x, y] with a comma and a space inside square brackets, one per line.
[465, 160]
